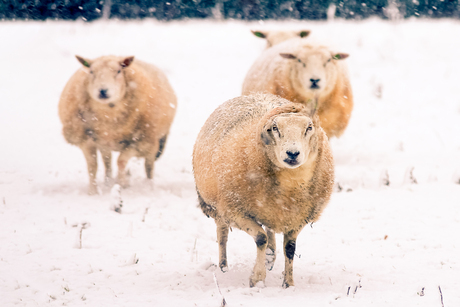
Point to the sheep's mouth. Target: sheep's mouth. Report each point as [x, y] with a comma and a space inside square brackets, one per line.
[291, 162]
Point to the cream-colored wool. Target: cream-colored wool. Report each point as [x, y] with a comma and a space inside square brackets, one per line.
[261, 160]
[117, 104]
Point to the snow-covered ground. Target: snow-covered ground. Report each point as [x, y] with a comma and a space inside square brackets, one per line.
[376, 245]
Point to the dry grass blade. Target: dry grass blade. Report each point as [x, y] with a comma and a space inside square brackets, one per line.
[442, 299]
[224, 303]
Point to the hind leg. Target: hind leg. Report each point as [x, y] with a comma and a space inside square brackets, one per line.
[260, 237]
[150, 158]
[161, 146]
[149, 166]
[222, 237]
[90, 152]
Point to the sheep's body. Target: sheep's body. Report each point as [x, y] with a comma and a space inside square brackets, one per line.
[137, 124]
[240, 186]
[291, 78]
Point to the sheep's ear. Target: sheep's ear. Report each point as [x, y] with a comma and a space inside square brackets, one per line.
[288, 56]
[259, 34]
[304, 33]
[312, 106]
[126, 61]
[340, 56]
[84, 62]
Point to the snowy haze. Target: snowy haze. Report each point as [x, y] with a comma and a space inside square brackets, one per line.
[374, 245]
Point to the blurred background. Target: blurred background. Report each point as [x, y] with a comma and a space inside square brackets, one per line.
[225, 9]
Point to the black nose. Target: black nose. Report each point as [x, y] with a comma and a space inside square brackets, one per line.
[103, 94]
[292, 155]
[314, 83]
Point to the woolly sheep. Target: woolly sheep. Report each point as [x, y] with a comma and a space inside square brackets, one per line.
[299, 71]
[117, 104]
[275, 37]
[261, 160]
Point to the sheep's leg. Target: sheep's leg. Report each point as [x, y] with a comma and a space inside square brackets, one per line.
[222, 237]
[270, 252]
[150, 159]
[161, 146]
[149, 166]
[107, 159]
[123, 159]
[90, 152]
[289, 251]
[260, 237]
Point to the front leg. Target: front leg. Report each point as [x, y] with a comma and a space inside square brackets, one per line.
[123, 159]
[107, 158]
[260, 237]
[90, 152]
[270, 252]
[289, 244]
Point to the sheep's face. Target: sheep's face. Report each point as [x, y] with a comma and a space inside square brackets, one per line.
[106, 79]
[315, 69]
[287, 139]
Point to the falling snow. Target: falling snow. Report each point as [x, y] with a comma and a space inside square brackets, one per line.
[388, 238]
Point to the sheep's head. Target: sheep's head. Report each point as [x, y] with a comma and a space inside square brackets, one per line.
[315, 68]
[289, 138]
[106, 78]
[276, 37]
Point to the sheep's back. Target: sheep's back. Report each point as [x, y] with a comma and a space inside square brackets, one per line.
[236, 114]
[154, 96]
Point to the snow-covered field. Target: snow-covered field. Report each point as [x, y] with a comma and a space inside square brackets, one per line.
[375, 245]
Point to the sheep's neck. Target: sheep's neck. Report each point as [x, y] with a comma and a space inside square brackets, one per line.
[299, 175]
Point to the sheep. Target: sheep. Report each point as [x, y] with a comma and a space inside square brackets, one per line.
[267, 162]
[276, 37]
[117, 104]
[299, 71]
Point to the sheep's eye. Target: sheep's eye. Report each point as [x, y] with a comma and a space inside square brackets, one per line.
[310, 128]
[119, 71]
[91, 72]
[275, 128]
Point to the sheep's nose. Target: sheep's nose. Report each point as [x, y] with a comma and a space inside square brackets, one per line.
[314, 83]
[103, 94]
[292, 155]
